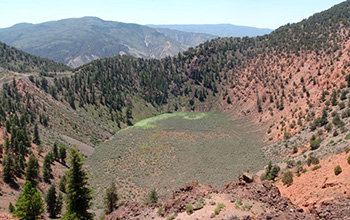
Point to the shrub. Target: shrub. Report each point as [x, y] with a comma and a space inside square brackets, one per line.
[328, 127]
[316, 167]
[295, 149]
[189, 209]
[290, 163]
[218, 208]
[153, 197]
[335, 133]
[160, 209]
[247, 206]
[271, 172]
[346, 113]
[337, 170]
[346, 149]
[171, 217]
[314, 144]
[348, 159]
[312, 160]
[239, 201]
[287, 178]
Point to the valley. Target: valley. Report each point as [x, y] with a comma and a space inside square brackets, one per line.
[166, 151]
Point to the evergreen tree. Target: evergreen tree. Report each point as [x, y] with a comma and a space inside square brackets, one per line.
[32, 171]
[62, 184]
[11, 208]
[36, 138]
[47, 168]
[110, 199]
[78, 194]
[29, 204]
[46, 175]
[258, 102]
[8, 168]
[40, 149]
[53, 203]
[59, 203]
[63, 154]
[55, 151]
[128, 116]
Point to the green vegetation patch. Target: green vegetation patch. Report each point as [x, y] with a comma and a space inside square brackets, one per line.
[151, 122]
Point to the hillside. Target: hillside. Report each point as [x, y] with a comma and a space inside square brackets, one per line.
[221, 30]
[78, 41]
[16, 60]
[280, 74]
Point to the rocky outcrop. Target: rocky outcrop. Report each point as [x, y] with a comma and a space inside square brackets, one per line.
[333, 209]
[181, 197]
[263, 193]
[185, 195]
[268, 194]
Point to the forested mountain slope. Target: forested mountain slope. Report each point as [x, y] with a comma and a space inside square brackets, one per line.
[16, 60]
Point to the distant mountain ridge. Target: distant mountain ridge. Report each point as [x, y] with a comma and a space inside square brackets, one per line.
[77, 41]
[221, 30]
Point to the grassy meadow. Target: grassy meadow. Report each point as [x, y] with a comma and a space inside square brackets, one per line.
[167, 151]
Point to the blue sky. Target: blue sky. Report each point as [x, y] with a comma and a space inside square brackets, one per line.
[256, 13]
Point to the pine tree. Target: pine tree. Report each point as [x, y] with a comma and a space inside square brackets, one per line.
[59, 203]
[53, 203]
[63, 154]
[1, 150]
[8, 168]
[78, 194]
[62, 184]
[110, 199]
[11, 208]
[258, 102]
[128, 116]
[47, 168]
[46, 175]
[32, 171]
[55, 151]
[36, 138]
[29, 204]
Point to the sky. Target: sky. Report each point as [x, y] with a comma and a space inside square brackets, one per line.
[255, 13]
